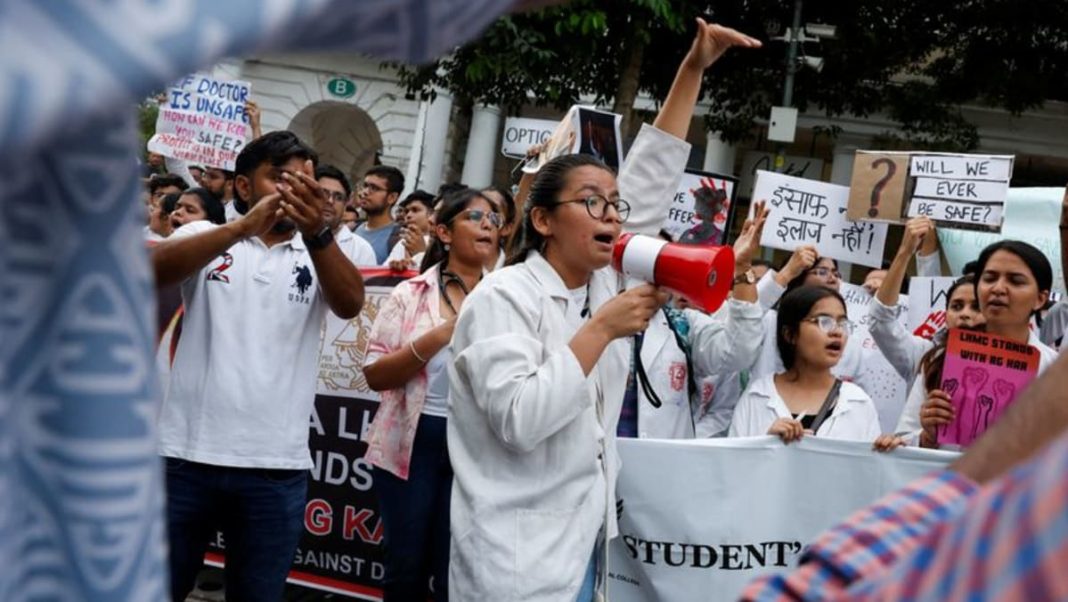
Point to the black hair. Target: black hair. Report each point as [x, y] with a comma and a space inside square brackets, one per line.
[393, 177]
[793, 308]
[212, 206]
[452, 205]
[325, 170]
[165, 180]
[931, 363]
[227, 174]
[1036, 262]
[970, 268]
[422, 197]
[168, 203]
[275, 149]
[760, 261]
[799, 281]
[545, 189]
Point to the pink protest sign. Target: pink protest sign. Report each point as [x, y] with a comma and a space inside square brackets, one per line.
[982, 375]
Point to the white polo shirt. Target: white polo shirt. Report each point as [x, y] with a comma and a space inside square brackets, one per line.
[359, 251]
[243, 381]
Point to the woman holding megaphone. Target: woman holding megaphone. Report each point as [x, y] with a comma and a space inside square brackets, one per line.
[542, 355]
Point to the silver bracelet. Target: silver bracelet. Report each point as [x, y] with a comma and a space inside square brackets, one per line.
[411, 346]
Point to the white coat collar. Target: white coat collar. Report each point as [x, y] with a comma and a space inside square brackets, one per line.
[547, 276]
[765, 388]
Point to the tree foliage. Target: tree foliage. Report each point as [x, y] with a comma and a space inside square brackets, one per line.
[914, 60]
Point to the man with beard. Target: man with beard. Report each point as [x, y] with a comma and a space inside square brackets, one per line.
[233, 427]
[382, 186]
[338, 192]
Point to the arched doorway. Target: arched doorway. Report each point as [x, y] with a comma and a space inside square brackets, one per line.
[344, 135]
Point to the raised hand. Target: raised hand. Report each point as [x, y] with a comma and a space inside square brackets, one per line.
[747, 246]
[713, 40]
[303, 200]
[917, 230]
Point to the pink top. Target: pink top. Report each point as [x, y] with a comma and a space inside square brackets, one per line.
[412, 309]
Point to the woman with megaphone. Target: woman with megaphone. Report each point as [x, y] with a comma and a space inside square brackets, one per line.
[542, 353]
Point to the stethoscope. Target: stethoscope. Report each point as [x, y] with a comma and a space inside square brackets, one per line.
[445, 278]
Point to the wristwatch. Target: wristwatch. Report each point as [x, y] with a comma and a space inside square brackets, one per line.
[320, 241]
[746, 277]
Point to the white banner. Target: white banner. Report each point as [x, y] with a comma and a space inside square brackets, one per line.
[809, 212]
[1031, 215]
[521, 133]
[700, 519]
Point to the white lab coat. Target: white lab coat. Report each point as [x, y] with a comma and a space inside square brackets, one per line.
[909, 427]
[725, 343]
[853, 418]
[534, 457]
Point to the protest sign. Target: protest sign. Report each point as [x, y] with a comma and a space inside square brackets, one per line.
[700, 212]
[1031, 215]
[755, 161]
[341, 549]
[583, 130]
[203, 121]
[879, 379]
[700, 519]
[927, 304]
[982, 375]
[808, 212]
[877, 190]
[968, 190]
[521, 133]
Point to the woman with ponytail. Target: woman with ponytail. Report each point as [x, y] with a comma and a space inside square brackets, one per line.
[407, 361]
[542, 354]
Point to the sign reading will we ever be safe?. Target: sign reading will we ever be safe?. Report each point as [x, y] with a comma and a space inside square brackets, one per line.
[203, 121]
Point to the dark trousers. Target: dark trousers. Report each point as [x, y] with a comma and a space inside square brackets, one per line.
[415, 518]
[259, 511]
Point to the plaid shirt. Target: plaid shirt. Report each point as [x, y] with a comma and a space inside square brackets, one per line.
[943, 538]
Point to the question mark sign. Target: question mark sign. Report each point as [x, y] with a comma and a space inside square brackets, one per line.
[877, 190]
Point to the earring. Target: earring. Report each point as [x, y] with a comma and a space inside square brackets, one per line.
[446, 246]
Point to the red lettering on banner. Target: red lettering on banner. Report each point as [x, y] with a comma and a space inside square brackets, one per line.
[357, 522]
[318, 517]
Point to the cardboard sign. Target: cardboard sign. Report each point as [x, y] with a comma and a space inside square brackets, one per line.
[700, 212]
[927, 304]
[960, 189]
[982, 374]
[203, 121]
[808, 212]
[877, 190]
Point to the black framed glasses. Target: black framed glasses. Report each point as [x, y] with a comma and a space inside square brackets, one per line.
[477, 215]
[597, 206]
[828, 324]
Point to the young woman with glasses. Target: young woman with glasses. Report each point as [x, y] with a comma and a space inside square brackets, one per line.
[542, 353]
[811, 333]
[407, 361]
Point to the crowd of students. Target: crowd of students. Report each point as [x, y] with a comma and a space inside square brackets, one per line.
[511, 363]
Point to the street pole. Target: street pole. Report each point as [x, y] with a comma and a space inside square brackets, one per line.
[791, 69]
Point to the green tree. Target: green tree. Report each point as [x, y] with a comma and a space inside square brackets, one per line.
[917, 61]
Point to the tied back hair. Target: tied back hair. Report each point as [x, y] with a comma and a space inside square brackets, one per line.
[545, 193]
[931, 363]
[452, 205]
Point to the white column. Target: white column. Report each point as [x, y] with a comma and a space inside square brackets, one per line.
[719, 155]
[482, 144]
[438, 116]
[415, 159]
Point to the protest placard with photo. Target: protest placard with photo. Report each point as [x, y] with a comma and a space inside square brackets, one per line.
[203, 121]
[598, 135]
[927, 304]
[982, 374]
[701, 210]
[809, 212]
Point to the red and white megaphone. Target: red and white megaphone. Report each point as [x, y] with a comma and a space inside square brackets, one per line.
[700, 274]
